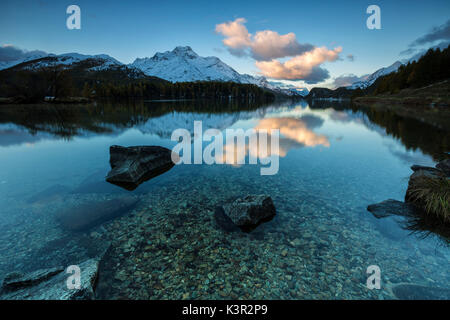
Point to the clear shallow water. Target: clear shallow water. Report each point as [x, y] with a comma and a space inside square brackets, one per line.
[334, 162]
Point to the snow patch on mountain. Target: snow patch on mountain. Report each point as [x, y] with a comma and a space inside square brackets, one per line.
[101, 61]
[9, 64]
[374, 76]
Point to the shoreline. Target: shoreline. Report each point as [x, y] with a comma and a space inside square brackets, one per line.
[435, 116]
[429, 104]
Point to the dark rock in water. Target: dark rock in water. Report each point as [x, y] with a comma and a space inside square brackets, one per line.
[388, 210]
[427, 172]
[51, 284]
[423, 185]
[49, 194]
[411, 291]
[432, 170]
[414, 220]
[444, 166]
[16, 280]
[133, 165]
[223, 221]
[249, 212]
[93, 213]
[392, 207]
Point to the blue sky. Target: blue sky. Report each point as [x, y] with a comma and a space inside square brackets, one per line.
[130, 29]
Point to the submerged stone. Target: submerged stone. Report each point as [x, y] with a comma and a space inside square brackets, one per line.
[414, 220]
[16, 280]
[51, 284]
[224, 221]
[93, 213]
[131, 166]
[249, 212]
[411, 291]
[391, 207]
[49, 194]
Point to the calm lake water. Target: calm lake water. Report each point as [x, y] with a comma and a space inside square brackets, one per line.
[334, 162]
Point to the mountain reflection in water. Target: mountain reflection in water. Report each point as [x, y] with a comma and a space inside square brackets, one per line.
[32, 123]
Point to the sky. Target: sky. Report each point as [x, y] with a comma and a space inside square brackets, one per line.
[305, 43]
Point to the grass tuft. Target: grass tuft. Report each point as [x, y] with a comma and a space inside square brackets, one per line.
[433, 196]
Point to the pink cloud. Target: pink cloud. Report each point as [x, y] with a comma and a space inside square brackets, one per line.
[266, 46]
[299, 67]
[237, 36]
[263, 45]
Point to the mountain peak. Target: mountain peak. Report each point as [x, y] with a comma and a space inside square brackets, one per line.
[180, 51]
[183, 64]
[184, 51]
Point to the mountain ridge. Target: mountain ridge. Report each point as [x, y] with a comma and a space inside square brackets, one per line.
[367, 82]
[179, 65]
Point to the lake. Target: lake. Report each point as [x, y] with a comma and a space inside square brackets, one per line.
[335, 160]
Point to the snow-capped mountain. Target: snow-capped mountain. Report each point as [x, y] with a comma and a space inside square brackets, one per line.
[104, 61]
[9, 64]
[367, 82]
[289, 89]
[184, 65]
[98, 62]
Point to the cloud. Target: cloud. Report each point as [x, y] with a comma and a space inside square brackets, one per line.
[237, 38]
[263, 45]
[267, 46]
[302, 67]
[408, 51]
[347, 80]
[440, 33]
[437, 33]
[317, 75]
[9, 53]
[420, 52]
[350, 57]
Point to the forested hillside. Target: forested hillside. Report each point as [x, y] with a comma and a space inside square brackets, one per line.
[433, 67]
[26, 83]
